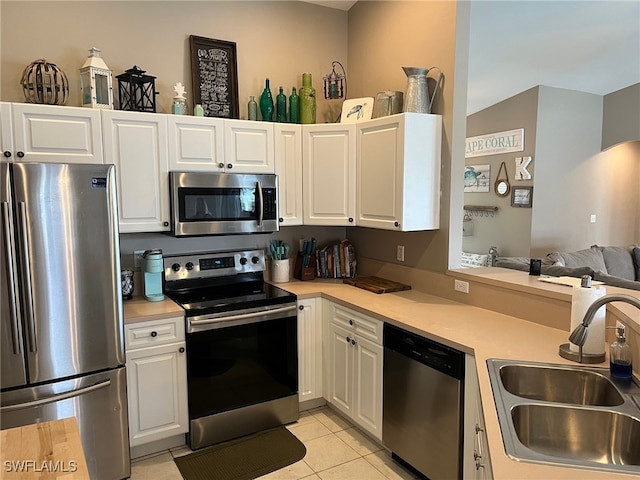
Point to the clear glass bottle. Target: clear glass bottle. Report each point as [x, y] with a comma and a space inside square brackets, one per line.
[307, 100]
[252, 108]
[620, 356]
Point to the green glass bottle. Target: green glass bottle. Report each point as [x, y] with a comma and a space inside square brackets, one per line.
[281, 107]
[266, 103]
[294, 106]
[307, 100]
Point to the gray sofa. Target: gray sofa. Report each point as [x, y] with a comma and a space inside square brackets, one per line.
[615, 266]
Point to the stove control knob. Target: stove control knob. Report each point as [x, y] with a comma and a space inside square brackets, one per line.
[255, 260]
[243, 261]
[189, 265]
[175, 267]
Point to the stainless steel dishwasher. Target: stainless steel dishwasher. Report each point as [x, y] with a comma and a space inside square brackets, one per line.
[423, 394]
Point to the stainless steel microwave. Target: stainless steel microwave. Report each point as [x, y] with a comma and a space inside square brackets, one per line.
[222, 203]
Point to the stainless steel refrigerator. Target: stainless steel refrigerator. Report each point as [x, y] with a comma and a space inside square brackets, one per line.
[61, 329]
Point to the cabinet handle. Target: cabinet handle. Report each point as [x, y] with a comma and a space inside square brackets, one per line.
[348, 340]
[221, 165]
[353, 342]
[166, 224]
[229, 165]
[154, 334]
[350, 219]
[301, 307]
[7, 153]
[479, 429]
[181, 349]
[20, 154]
[477, 458]
[396, 224]
[281, 219]
[350, 322]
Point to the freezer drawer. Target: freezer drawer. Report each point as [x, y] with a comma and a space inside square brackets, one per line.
[99, 403]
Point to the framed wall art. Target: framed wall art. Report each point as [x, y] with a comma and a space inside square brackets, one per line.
[476, 178]
[522, 197]
[214, 76]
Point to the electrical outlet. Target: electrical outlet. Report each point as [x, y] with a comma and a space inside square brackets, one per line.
[137, 258]
[400, 253]
[461, 286]
[592, 218]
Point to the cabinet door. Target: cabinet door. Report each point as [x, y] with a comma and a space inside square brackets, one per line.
[329, 157]
[288, 164]
[51, 133]
[367, 402]
[196, 144]
[309, 350]
[137, 144]
[248, 146]
[157, 392]
[340, 366]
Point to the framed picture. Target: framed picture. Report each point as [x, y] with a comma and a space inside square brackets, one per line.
[214, 76]
[522, 197]
[356, 110]
[477, 178]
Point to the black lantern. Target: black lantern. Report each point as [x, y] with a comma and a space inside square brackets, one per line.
[335, 84]
[137, 91]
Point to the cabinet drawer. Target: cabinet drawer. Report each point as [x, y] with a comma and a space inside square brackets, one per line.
[359, 323]
[155, 332]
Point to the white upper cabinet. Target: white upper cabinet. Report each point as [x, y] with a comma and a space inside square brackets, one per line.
[51, 133]
[137, 144]
[196, 144]
[329, 168]
[288, 161]
[398, 172]
[248, 147]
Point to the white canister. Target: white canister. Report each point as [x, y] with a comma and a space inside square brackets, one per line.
[280, 271]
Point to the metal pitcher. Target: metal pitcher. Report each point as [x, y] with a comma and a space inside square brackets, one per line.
[417, 98]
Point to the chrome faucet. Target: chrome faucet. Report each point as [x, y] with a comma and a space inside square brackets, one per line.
[579, 335]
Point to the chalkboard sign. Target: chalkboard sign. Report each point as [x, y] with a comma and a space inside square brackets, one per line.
[214, 73]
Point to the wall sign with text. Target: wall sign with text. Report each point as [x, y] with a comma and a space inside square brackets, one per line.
[495, 143]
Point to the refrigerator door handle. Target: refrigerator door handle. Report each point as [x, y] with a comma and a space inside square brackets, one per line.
[15, 339]
[56, 398]
[29, 317]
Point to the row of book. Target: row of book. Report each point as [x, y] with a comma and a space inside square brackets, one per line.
[336, 261]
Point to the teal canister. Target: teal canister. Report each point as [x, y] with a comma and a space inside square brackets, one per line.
[266, 103]
[307, 100]
[152, 274]
[294, 106]
[281, 107]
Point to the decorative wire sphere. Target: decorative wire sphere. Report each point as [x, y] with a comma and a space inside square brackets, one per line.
[44, 82]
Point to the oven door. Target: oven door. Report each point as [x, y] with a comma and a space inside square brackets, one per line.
[222, 203]
[239, 359]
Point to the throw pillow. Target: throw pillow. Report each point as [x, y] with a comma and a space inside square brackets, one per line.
[636, 261]
[589, 257]
[619, 262]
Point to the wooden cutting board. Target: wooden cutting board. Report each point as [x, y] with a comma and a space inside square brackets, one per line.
[376, 284]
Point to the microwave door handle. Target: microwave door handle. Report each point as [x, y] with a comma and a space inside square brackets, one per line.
[260, 203]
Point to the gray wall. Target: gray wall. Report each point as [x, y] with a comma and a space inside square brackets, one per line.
[621, 116]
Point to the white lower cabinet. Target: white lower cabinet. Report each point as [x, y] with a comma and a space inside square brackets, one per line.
[354, 356]
[156, 380]
[309, 349]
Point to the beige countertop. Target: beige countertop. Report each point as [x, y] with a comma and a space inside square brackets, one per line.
[483, 333]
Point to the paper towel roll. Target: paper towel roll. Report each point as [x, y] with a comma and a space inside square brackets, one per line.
[581, 299]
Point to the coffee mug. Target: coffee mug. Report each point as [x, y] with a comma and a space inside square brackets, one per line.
[535, 265]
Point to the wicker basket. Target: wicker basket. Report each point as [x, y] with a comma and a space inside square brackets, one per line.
[44, 82]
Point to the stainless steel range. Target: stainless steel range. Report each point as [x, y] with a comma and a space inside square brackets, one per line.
[242, 353]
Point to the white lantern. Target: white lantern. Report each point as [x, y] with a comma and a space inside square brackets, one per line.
[96, 82]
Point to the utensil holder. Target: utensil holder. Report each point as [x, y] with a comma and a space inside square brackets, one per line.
[280, 271]
[305, 273]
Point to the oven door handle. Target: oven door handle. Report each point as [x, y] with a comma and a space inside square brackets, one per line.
[207, 322]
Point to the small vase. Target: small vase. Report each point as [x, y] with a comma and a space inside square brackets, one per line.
[294, 106]
[266, 103]
[307, 100]
[281, 107]
[253, 108]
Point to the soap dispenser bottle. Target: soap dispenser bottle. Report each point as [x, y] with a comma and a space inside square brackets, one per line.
[620, 356]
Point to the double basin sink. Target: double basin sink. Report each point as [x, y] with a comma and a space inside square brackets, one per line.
[566, 415]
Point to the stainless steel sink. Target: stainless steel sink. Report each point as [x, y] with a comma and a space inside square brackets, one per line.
[558, 384]
[565, 415]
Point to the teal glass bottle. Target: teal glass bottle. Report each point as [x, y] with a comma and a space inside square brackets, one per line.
[266, 103]
[294, 106]
[307, 100]
[252, 108]
[281, 107]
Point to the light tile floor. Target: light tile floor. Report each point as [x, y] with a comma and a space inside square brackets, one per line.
[336, 450]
